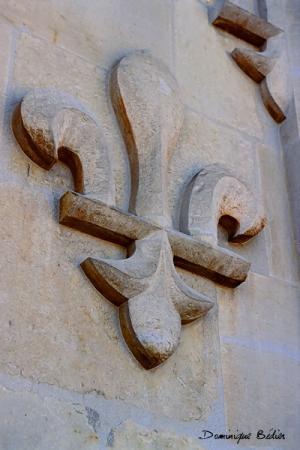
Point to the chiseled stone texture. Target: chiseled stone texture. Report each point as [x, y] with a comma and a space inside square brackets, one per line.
[28, 422]
[129, 435]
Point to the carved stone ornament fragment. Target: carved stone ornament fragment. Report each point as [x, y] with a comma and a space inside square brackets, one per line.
[152, 298]
[256, 63]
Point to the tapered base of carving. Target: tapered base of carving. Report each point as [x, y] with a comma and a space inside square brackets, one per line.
[148, 361]
[274, 109]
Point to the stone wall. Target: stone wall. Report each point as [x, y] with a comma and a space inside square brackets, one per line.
[67, 379]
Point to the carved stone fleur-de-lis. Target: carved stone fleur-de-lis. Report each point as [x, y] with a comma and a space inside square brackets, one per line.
[152, 298]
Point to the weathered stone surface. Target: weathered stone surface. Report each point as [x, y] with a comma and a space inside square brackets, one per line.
[249, 315]
[124, 28]
[290, 134]
[198, 256]
[239, 22]
[266, 382]
[258, 353]
[147, 103]
[279, 235]
[5, 46]
[28, 422]
[213, 196]
[82, 80]
[51, 126]
[134, 436]
[55, 328]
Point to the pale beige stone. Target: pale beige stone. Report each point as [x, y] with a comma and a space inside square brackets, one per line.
[5, 62]
[100, 32]
[80, 79]
[249, 314]
[71, 335]
[5, 56]
[204, 143]
[208, 77]
[153, 299]
[214, 195]
[260, 358]
[55, 328]
[130, 435]
[147, 103]
[29, 422]
[281, 250]
[51, 126]
[259, 393]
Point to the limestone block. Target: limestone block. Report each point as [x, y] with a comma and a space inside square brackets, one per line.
[99, 31]
[206, 74]
[292, 160]
[279, 233]
[28, 422]
[130, 435]
[260, 359]
[260, 393]
[5, 47]
[249, 315]
[5, 59]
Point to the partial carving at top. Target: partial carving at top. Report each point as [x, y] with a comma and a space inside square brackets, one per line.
[51, 126]
[214, 197]
[241, 23]
[147, 103]
[258, 65]
[263, 67]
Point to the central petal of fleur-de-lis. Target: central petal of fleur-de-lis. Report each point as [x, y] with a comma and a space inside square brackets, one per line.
[153, 299]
